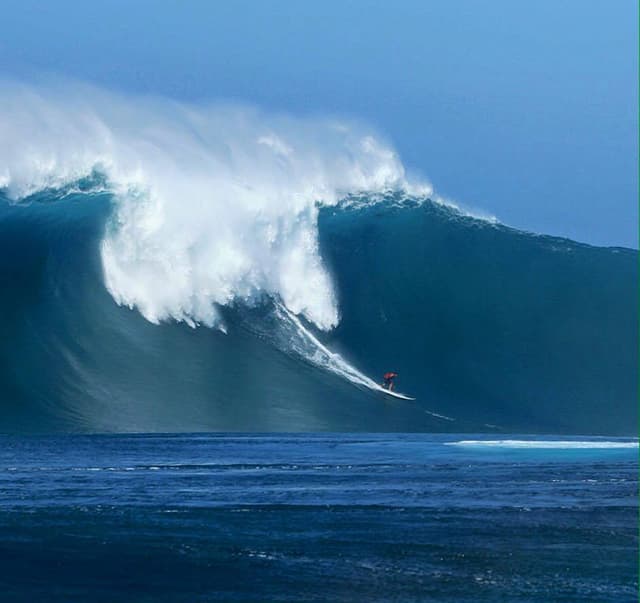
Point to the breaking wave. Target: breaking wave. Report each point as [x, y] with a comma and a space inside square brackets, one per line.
[172, 267]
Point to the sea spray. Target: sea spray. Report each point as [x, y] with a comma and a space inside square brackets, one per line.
[213, 203]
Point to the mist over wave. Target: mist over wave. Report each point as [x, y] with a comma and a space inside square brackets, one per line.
[126, 221]
[214, 204]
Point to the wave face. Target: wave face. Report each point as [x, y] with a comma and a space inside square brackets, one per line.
[171, 268]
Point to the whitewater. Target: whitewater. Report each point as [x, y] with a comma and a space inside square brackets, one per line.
[214, 204]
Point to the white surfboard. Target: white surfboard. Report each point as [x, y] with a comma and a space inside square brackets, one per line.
[395, 394]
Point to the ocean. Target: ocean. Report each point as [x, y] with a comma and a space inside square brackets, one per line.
[217, 291]
[318, 517]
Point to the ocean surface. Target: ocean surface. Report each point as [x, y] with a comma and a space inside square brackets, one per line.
[321, 517]
[212, 270]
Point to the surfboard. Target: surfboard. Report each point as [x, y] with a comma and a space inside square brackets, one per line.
[395, 394]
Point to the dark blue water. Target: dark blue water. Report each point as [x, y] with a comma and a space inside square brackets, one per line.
[316, 518]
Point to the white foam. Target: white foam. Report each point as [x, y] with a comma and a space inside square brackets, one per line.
[305, 343]
[215, 204]
[544, 444]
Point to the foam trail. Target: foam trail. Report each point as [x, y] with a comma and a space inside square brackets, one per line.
[317, 353]
[541, 444]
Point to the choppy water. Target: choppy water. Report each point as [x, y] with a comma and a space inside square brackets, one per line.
[386, 517]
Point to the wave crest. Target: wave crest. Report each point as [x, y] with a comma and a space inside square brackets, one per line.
[214, 204]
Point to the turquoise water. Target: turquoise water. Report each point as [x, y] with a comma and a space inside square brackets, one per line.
[299, 517]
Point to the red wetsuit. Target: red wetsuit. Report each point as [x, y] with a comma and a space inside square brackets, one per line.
[388, 379]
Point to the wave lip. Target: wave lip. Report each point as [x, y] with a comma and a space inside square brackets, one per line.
[543, 444]
[219, 202]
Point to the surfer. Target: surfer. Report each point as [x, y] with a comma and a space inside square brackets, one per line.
[388, 380]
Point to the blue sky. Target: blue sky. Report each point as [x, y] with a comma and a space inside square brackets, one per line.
[528, 110]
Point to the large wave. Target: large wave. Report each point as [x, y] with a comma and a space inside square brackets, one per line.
[213, 204]
[314, 260]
